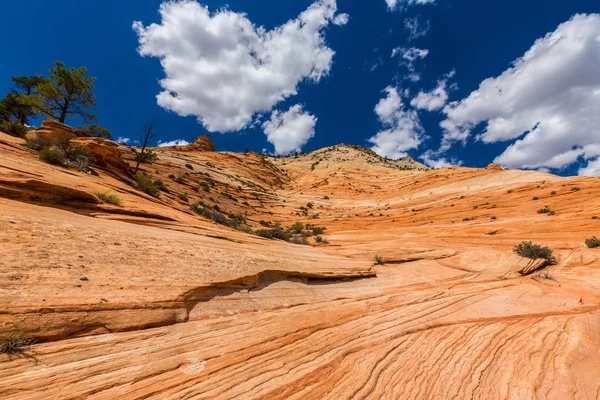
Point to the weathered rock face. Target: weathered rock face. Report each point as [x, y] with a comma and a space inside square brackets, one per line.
[148, 300]
[202, 143]
[106, 154]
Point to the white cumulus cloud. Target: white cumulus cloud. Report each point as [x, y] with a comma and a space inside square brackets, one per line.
[341, 19]
[289, 131]
[396, 4]
[436, 98]
[176, 142]
[403, 127]
[223, 69]
[431, 159]
[549, 100]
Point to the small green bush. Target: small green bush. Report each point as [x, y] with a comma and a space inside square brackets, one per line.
[110, 198]
[53, 156]
[146, 185]
[76, 155]
[546, 210]
[15, 343]
[534, 252]
[379, 260]
[575, 189]
[189, 166]
[38, 142]
[593, 243]
[13, 128]
[183, 197]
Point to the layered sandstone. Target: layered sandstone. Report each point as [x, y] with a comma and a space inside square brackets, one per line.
[149, 300]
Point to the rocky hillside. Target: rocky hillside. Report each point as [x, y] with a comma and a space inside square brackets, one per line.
[334, 274]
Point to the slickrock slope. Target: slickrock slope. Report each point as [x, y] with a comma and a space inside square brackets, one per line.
[149, 300]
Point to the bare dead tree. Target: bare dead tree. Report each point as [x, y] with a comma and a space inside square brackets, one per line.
[148, 133]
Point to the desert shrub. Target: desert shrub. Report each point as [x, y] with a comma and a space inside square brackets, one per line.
[325, 197]
[110, 198]
[317, 230]
[14, 343]
[309, 205]
[38, 142]
[265, 223]
[160, 184]
[183, 197]
[146, 185]
[536, 198]
[274, 233]
[595, 217]
[546, 210]
[189, 166]
[236, 221]
[76, 155]
[297, 228]
[205, 187]
[246, 203]
[553, 193]
[534, 252]
[493, 218]
[575, 189]
[53, 156]
[146, 156]
[321, 240]
[592, 243]
[379, 260]
[296, 239]
[13, 128]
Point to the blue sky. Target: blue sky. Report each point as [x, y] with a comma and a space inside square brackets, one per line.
[475, 39]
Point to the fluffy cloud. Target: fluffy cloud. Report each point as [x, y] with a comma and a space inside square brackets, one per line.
[341, 19]
[223, 69]
[415, 28]
[404, 130]
[395, 4]
[408, 58]
[123, 140]
[176, 142]
[551, 95]
[430, 158]
[289, 131]
[435, 99]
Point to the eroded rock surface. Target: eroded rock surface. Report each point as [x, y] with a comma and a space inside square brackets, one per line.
[149, 300]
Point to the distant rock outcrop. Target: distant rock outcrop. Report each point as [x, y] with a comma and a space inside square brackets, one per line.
[202, 143]
[493, 167]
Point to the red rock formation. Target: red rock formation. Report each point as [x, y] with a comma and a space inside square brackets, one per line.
[106, 154]
[148, 300]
